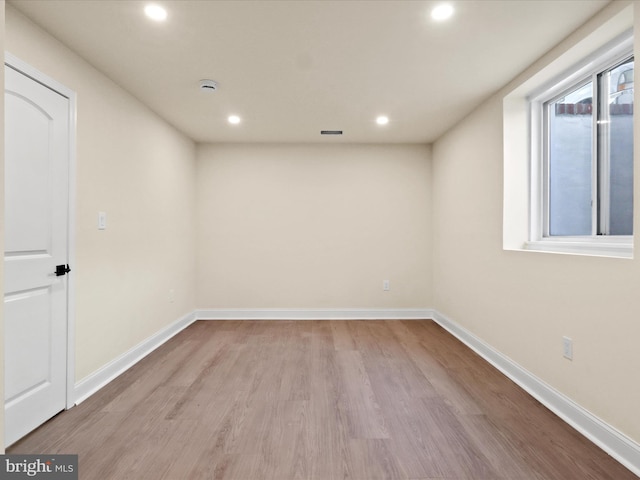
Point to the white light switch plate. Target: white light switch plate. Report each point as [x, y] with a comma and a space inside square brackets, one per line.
[102, 220]
[567, 348]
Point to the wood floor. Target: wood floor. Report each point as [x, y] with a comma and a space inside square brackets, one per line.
[358, 400]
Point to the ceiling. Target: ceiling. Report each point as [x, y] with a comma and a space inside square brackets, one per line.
[292, 68]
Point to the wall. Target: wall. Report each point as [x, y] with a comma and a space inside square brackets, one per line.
[522, 303]
[313, 226]
[139, 170]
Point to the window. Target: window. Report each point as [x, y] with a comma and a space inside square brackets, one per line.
[582, 155]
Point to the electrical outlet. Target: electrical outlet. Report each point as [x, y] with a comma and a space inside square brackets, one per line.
[172, 295]
[385, 285]
[567, 348]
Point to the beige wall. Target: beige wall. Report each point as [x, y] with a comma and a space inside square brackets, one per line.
[313, 226]
[139, 170]
[522, 303]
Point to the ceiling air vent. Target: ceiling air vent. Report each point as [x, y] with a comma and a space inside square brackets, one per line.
[330, 132]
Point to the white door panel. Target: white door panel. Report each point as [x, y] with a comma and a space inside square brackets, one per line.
[27, 309]
[28, 228]
[36, 230]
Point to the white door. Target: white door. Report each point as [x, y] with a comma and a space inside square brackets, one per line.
[36, 218]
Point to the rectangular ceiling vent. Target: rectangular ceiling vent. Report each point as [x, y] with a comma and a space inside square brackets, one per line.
[330, 132]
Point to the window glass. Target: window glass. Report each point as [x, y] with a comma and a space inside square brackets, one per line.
[615, 136]
[588, 169]
[570, 142]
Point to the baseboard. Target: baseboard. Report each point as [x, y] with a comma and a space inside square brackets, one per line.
[615, 443]
[94, 382]
[315, 314]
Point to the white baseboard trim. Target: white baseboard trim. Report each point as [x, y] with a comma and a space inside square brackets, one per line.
[615, 443]
[98, 379]
[315, 314]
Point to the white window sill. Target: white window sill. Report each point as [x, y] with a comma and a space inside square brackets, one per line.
[616, 247]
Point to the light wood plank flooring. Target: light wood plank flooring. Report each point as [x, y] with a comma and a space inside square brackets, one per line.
[358, 400]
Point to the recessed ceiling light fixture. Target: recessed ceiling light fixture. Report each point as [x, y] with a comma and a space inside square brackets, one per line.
[442, 12]
[155, 12]
[234, 119]
[382, 120]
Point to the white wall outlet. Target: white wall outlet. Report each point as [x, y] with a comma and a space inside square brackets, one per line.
[172, 295]
[102, 220]
[385, 285]
[567, 348]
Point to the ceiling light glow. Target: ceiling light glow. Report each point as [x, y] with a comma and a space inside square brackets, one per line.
[382, 120]
[234, 119]
[442, 12]
[155, 12]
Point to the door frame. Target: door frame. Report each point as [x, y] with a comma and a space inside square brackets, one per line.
[14, 62]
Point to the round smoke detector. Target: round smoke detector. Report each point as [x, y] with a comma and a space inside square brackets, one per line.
[208, 85]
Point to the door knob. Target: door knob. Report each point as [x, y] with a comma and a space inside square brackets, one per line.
[62, 270]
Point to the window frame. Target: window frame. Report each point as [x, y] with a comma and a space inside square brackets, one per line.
[582, 73]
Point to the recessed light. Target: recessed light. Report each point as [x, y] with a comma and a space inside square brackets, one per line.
[234, 119]
[442, 12]
[155, 12]
[382, 120]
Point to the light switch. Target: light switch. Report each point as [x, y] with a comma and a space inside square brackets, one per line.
[102, 220]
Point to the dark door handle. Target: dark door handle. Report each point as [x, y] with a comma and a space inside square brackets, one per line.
[62, 270]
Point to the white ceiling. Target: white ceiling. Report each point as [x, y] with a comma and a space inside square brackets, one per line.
[293, 68]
